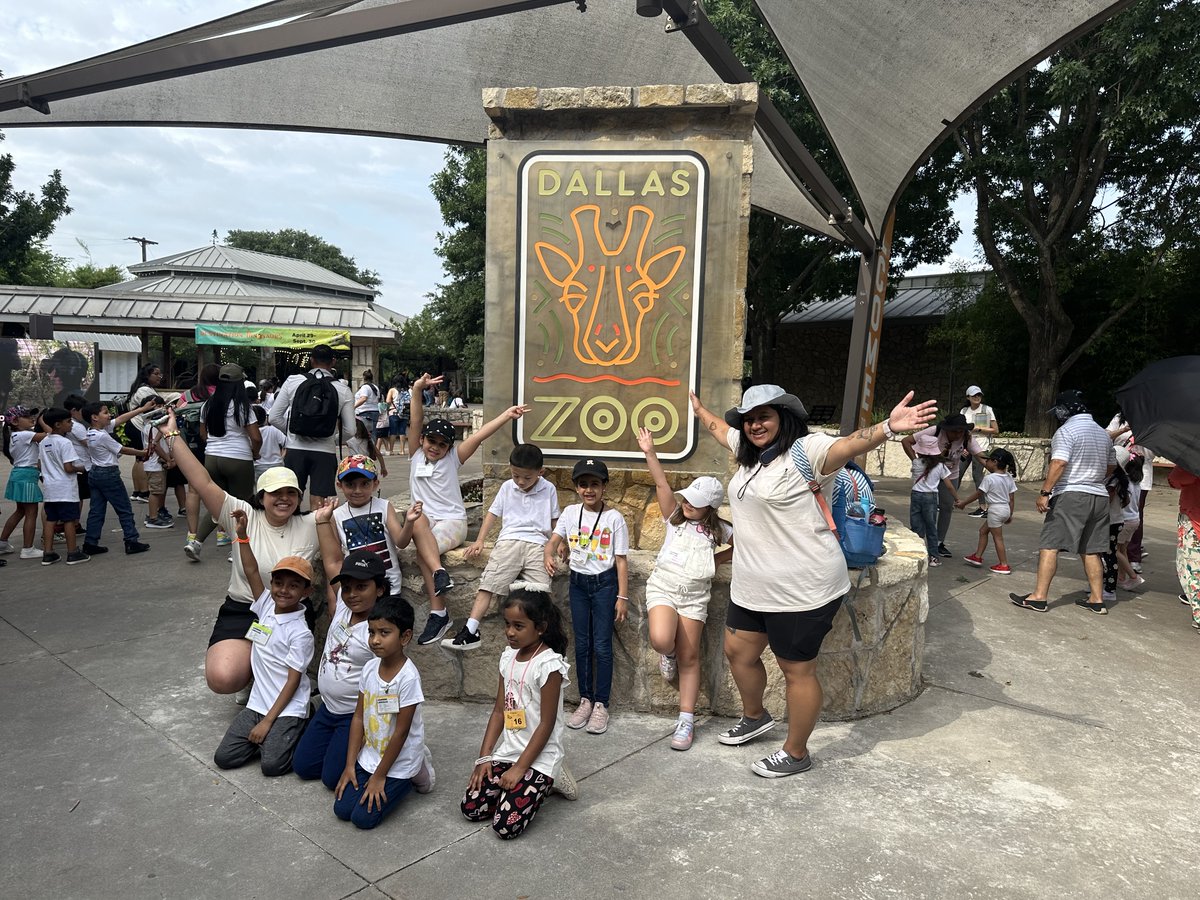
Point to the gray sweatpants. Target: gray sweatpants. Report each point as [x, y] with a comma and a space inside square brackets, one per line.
[276, 751]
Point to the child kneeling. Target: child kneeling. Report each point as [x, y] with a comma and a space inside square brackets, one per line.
[275, 715]
[386, 756]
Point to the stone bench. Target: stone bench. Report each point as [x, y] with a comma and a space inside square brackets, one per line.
[883, 672]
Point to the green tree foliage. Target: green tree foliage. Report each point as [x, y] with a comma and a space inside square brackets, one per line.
[26, 221]
[460, 189]
[298, 244]
[1086, 172]
[788, 266]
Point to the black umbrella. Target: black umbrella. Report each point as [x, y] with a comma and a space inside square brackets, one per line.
[1162, 406]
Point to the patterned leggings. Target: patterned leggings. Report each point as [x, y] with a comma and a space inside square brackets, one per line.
[1110, 559]
[510, 811]
[1187, 564]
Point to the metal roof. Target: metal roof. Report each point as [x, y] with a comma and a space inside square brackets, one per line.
[122, 343]
[226, 286]
[917, 297]
[110, 308]
[232, 262]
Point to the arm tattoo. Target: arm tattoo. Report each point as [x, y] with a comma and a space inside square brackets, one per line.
[712, 426]
[867, 433]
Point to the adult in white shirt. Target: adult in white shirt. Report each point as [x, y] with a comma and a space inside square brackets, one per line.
[789, 575]
[983, 418]
[366, 401]
[314, 458]
[1122, 436]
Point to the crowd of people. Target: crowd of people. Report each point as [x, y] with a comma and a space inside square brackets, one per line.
[247, 454]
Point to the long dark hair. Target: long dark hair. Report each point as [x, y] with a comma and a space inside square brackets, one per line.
[710, 525]
[541, 611]
[229, 395]
[1119, 482]
[791, 429]
[1135, 468]
[143, 377]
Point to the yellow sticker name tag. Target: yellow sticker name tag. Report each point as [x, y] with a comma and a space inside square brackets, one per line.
[258, 634]
[389, 703]
[514, 719]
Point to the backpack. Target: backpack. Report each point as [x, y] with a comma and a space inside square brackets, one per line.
[850, 517]
[187, 418]
[315, 408]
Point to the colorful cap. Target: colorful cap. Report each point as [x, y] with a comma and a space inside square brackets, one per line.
[442, 428]
[590, 467]
[297, 565]
[20, 412]
[704, 491]
[364, 565]
[357, 465]
[277, 478]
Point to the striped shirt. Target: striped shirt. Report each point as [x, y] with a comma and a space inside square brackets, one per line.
[1088, 452]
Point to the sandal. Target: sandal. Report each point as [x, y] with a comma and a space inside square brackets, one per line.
[1098, 608]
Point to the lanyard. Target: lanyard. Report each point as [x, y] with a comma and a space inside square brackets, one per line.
[519, 695]
[579, 533]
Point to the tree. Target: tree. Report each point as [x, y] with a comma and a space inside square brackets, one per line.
[790, 267]
[26, 221]
[460, 189]
[1086, 168]
[299, 244]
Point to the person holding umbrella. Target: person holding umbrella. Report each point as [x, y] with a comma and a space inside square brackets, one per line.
[1074, 500]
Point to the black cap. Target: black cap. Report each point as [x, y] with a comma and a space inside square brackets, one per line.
[363, 565]
[1069, 398]
[955, 420]
[590, 467]
[442, 428]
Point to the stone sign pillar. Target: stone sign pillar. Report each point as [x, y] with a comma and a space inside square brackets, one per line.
[618, 227]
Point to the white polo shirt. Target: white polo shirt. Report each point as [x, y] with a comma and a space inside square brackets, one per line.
[288, 648]
[378, 727]
[526, 515]
[105, 449]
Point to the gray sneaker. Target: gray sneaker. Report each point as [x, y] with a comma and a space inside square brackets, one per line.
[565, 784]
[747, 730]
[780, 764]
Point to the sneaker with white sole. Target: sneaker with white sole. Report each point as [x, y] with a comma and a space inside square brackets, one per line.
[426, 778]
[1132, 584]
[49, 559]
[682, 739]
[780, 764]
[1000, 569]
[242, 697]
[667, 666]
[156, 523]
[466, 639]
[6, 547]
[435, 629]
[442, 582]
[598, 720]
[31, 553]
[582, 713]
[565, 784]
[223, 539]
[192, 549]
[973, 560]
[747, 730]
[74, 559]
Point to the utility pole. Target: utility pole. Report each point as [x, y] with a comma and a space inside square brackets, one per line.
[143, 241]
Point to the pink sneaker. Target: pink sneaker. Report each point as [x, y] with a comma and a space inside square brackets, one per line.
[973, 560]
[1000, 570]
[598, 722]
[582, 713]
[1132, 584]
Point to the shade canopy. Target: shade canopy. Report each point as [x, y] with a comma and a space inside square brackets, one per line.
[886, 77]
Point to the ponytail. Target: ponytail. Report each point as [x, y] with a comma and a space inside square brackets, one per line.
[535, 602]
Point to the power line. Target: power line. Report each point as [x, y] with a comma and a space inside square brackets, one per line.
[143, 241]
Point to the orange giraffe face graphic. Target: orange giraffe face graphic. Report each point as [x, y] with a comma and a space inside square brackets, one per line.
[609, 285]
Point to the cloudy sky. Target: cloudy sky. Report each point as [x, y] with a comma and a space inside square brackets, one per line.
[369, 196]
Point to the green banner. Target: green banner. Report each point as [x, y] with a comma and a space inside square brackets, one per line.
[271, 336]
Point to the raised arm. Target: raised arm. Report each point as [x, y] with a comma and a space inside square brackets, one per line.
[327, 539]
[662, 489]
[711, 422]
[249, 562]
[468, 447]
[416, 410]
[126, 416]
[902, 418]
[193, 470]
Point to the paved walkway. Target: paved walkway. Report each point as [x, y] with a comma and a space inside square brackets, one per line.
[1050, 754]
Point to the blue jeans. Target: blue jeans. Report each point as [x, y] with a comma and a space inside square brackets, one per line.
[348, 809]
[593, 606]
[923, 518]
[321, 752]
[108, 490]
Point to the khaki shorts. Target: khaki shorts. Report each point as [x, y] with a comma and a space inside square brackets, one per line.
[1077, 523]
[513, 561]
[156, 482]
[689, 598]
[450, 533]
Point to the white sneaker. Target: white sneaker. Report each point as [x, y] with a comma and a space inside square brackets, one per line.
[667, 667]
[565, 784]
[31, 553]
[192, 550]
[425, 779]
[5, 547]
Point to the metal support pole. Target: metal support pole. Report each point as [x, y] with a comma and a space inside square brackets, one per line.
[862, 363]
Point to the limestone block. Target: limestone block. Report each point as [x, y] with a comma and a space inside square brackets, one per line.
[493, 99]
[893, 670]
[711, 94]
[521, 98]
[748, 93]
[607, 97]
[660, 95]
[841, 675]
[560, 98]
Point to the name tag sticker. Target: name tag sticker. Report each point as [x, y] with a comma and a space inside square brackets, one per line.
[341, 633]
[425, 470]
[579, 556]
[389, 703]
[258, 634]
[514, 719]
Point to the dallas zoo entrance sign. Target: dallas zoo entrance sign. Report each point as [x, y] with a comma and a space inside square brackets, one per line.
[610, 272]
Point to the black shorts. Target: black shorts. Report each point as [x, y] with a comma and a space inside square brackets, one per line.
[794, 636]
[133, 438]
[61, 511]
[233, 621]
[320, 467]
[85, 492]
[175, 477]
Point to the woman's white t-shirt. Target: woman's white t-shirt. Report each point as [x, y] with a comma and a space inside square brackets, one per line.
[436, 485]
[346, 652]
[997, 487]
[378, 727]
[523, 683]
[234, 444]
[24, 451]
[927, 482]
[785, 558]
[982, 417]
[271, 543]
[370, 395]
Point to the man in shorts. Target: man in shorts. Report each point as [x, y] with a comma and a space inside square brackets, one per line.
[314, 458]
[1074, 501]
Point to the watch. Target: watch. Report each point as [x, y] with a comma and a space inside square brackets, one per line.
[1047, 493]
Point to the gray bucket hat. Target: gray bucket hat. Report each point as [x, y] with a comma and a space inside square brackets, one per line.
[764, 395]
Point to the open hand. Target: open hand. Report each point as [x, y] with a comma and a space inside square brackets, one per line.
[239, 522]
[911, 418]
[324, 512]
[348, 777]
[645, 440]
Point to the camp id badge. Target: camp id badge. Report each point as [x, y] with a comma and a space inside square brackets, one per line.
[514, 719]
[425, 470]
[341, 633]
[258, 634]
[388, 703]
[579, 556]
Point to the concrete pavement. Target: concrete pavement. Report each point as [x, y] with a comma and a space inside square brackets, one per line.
[1050, 754]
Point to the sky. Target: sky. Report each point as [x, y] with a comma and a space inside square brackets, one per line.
[368, 196]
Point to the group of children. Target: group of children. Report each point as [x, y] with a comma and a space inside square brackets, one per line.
[366, 741]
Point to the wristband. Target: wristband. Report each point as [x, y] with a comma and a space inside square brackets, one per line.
[244, 540]
[482, 760]
[619, 597]
[887, 429]
[168, 434]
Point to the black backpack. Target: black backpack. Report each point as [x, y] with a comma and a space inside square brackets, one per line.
[187, 419]
[315, 408]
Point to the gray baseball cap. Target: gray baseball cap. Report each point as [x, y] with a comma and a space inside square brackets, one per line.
[764, 395]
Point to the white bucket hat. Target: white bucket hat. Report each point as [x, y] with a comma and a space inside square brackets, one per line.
[704, 491]
[764, 395]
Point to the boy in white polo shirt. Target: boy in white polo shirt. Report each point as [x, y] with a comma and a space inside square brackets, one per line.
[275, 715]
[527, 505]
